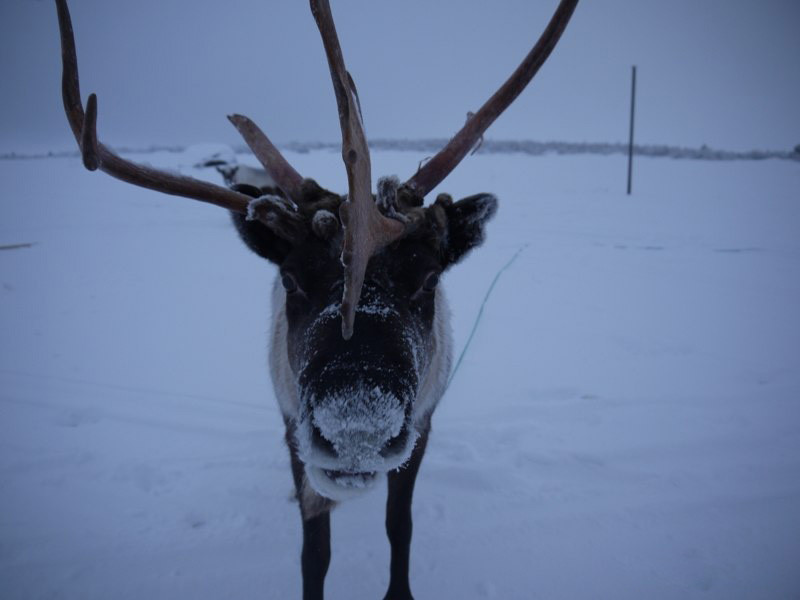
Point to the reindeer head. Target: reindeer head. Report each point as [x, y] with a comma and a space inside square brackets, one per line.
[360, 328]
[355, 405]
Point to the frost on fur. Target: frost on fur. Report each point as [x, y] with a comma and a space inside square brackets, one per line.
[324, 224]
[387, 193]
[466, 221]
[267, 206]
[359, 422]
[279, 214]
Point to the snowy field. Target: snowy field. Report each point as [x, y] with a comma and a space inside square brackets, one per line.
[625, 424]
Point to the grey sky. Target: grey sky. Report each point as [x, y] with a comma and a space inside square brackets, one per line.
[720, 72]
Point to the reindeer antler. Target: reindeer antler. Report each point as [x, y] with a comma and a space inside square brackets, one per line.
[284, 175]
[98, 156]
[366, 230]
[436, 169]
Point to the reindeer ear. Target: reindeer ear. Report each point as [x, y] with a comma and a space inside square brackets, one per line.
[466, 220]
[256, 235]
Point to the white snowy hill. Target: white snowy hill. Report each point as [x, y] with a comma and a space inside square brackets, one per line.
[625, 423]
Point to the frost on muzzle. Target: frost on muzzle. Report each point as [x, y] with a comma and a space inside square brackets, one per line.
[346, 438]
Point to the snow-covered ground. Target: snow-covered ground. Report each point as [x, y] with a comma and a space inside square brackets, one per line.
[625, 424]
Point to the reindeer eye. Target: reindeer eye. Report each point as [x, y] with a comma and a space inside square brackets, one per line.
[289, 283]
[431, 281]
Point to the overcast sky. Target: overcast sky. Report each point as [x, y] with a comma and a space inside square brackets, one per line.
[720, 72]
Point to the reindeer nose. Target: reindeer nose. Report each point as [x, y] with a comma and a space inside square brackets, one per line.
[359, 442]
[393, 379]
[352, 443]
[359, 430]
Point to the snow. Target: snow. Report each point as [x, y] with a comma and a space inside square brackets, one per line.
[625, 423]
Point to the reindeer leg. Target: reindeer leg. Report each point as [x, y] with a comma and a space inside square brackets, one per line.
[315, 513]
[398, 520]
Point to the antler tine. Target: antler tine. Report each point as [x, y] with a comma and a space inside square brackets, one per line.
[366, 229]
[97, 156]
[286, 178]
[440, 166]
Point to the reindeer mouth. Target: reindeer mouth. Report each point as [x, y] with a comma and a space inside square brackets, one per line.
[351, 480]
[340, 485]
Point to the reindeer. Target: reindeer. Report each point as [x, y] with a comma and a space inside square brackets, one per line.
[360, 349]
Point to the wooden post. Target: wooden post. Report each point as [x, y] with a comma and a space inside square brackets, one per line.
[630, 136]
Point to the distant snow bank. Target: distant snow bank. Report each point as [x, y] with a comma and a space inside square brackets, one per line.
[433, 145]
[535, 148]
